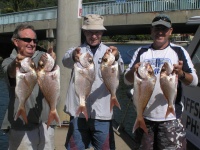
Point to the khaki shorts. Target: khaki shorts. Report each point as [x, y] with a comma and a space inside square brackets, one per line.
[39, 138]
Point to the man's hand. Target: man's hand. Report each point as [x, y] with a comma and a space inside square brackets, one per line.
[18, 60]
[130, 74]
[51, 53]
[114, 51]
[15, 63]
[135, 67]
[76, 54]
[178, 68]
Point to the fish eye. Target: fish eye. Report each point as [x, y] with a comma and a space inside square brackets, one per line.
[41, 63]
[105, 59]
[33, 64]
[90, 60]
[163, 69]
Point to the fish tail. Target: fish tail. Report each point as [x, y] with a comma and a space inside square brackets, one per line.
[170, 109]
[140, 123]
[21, 112]
[53, 115]
[114, 102]
[82, 109]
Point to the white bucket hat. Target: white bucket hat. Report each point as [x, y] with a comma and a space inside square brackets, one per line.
[93, 22]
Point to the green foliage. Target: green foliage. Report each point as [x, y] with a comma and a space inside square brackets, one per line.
[8, 6]
[126, 38]
[142, 37]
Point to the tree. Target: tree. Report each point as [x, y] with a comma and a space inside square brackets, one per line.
[21, 5]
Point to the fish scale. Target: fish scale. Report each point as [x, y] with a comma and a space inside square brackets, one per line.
[26, 78]
[84, 77]
[110, 75]
[49, 82]
[144, 83]
[168, 84]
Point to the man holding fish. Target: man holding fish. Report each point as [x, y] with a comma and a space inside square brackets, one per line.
[91, 95]
[158, 72]
[27, 111]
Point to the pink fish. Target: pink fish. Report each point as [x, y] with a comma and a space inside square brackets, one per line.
[26, 78]
[49, 82]
[144, 83]
[110, 75]
[84, 77]
[168, 84]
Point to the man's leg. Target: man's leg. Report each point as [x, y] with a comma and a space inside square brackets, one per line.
[46, 137]
[102, 134]
[166, 137]
[78, 137]
[23, 140]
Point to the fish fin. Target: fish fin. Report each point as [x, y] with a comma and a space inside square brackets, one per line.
[53, 115]
[140, 123]
[82, 109]
[21, 111]
[114, 102]
[170, 109]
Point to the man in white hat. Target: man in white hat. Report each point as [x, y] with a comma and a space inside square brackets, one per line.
[97, 130]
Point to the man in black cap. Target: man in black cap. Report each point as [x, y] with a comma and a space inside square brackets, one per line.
[162, 120]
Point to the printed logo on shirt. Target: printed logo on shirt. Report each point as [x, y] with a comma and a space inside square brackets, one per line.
[157, 63]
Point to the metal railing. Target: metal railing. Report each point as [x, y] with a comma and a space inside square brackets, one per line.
[109, 7]
[138, 6]
[30, 15]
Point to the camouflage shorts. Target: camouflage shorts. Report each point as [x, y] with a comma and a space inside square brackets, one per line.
[163, 135]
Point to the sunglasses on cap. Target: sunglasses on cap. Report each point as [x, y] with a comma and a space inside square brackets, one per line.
[164, 18]
[28, 40]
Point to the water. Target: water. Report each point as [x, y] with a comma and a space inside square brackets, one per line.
[3, 105]
[126, 50]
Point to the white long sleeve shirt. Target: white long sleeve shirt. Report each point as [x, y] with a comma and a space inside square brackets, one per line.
[98, 102]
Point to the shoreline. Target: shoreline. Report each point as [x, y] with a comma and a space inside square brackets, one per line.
[129, 42]
[181, 43]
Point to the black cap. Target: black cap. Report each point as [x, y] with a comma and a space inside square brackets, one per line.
[162, 19]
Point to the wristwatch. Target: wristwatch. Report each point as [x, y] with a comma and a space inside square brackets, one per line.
[182, 76]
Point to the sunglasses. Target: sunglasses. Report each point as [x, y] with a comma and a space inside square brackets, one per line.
[160, 28]
[161, 18]
[93, 32]
[28, 40]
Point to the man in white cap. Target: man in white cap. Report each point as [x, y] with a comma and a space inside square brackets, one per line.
[163, 130]
[97, 130]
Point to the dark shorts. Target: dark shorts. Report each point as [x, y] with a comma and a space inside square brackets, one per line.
[163, 135]
[82, 134]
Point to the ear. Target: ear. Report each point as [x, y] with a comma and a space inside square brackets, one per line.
[15, 42]
[171, 30]
[84, 32]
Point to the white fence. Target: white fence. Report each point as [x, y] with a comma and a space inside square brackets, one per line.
[113, 7]
[104, 8]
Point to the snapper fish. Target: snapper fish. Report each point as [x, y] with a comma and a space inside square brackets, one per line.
[144, 83]
[110, 75]
[84, 77]
[168, 84]
[26, 78]
[49, 82]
